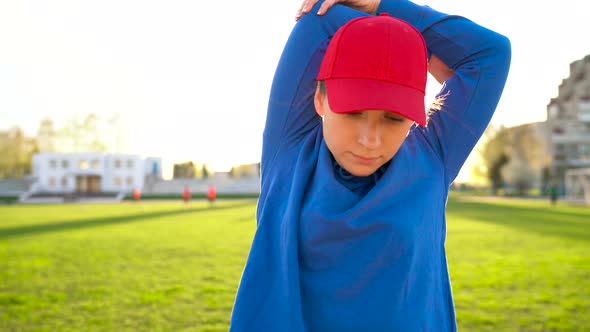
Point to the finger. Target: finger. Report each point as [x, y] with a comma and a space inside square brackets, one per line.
[325, 6]
[306, 6]
[311, 4]
[301, 10]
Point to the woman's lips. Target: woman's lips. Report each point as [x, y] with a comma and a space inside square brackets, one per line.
[364, 159]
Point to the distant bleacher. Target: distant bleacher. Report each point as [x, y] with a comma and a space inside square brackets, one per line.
[14, 187]
[246, 185]
[224, 186]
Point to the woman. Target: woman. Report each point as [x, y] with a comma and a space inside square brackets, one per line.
[355, 173]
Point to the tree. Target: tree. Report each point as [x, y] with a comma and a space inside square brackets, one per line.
[515, 156]
[46, 136]
[519, 173]
[16, 153]
[495, 154]
[529, 156]
[91, 131]
[205, 172]
[495, 172]
[245, 171]
[82, 135]
[184, 170]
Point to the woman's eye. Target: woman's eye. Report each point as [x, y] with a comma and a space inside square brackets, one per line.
[354, 113]
[391, 118]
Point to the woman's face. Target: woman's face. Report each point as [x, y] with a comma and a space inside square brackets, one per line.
[363, 141]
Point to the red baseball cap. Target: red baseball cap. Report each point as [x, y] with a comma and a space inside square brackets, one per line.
[376, 63]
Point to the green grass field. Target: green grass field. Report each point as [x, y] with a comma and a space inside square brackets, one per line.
[164, 266]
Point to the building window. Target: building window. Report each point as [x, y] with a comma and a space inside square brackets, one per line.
[52, 163]
[584, 108]
[52, 181]
[64, 182]
[117, 163]
[118, 181]
[558, 130]
[559, 147]
[129, 181]
[95, 164]
[65, 164]
[553, 111]
[129, 163]
[83, 164]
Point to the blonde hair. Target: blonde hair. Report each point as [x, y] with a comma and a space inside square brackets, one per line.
[437, 105]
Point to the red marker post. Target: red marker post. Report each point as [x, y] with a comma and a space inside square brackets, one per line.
[186, 194]
[136, 194]
[211, 194]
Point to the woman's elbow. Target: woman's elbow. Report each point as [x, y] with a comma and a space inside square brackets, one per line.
[503, 51]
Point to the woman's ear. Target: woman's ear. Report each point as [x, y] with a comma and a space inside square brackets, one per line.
[318, 101]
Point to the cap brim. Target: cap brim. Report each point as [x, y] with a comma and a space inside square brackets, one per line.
[354, 94]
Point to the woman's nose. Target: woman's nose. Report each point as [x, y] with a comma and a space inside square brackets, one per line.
[369, 135]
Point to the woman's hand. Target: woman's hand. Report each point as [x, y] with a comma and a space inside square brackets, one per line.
[367, 6]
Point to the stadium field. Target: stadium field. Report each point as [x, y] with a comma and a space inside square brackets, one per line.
[516, 265]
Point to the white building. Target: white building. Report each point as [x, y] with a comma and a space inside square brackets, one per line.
[92, 172]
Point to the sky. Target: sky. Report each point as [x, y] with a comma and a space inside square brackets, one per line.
[189, 80]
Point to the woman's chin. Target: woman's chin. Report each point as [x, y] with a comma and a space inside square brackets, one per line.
[360, 170]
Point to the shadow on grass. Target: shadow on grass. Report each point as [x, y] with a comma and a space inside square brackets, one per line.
[544, 221]
[106, 221]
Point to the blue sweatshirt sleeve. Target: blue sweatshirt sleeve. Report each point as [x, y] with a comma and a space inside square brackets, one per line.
[480, 59]
[291, 113]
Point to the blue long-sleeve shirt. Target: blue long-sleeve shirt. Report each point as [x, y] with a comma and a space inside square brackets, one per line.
[328, 257]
